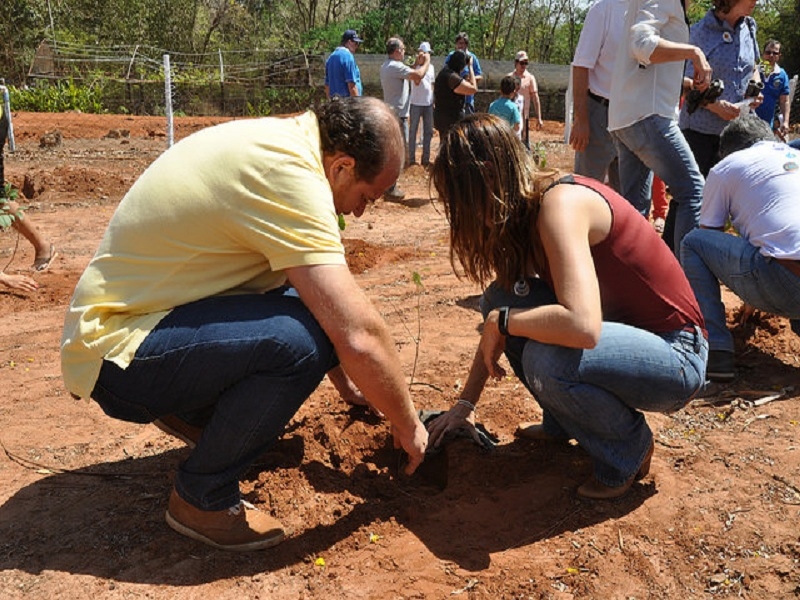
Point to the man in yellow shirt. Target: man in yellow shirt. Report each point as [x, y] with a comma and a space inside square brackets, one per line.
[219, 298]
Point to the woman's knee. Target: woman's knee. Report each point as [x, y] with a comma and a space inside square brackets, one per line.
[550, 369]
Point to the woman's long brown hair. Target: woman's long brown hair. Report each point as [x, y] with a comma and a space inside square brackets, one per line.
[490, 190]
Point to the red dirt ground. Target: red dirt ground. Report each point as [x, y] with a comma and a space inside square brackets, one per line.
[83, 496]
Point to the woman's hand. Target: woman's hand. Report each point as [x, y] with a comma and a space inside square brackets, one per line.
[458, 417]
[724, 109]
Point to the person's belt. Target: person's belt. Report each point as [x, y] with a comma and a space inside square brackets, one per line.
[792, 265]
[598, 98]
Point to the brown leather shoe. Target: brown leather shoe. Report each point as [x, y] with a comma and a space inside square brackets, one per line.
[596, 490]
[177, 427]
[241, 528]
[534, 431]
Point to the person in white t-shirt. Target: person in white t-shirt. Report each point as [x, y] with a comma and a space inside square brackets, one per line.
[754, 186]
[421, 109]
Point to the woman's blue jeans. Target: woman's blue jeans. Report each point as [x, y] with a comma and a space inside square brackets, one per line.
[709, 257]
[656, 145]
[238, 366]
[595, 395]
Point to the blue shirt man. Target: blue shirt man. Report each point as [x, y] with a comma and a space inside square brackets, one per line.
[776, 90]
[342, 76]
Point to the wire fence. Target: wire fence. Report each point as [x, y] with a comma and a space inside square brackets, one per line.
[224, 82]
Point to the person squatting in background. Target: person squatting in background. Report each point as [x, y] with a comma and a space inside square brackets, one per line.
[755, 188]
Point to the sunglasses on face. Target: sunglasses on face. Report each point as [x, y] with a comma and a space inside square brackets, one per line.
[523, 62]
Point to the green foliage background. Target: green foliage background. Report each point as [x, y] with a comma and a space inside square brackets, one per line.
[547, 29]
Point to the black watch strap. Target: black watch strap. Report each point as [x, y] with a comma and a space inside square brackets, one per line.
[502, 320]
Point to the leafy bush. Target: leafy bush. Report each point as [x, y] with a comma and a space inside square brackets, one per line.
[60, 96]
[283, 100]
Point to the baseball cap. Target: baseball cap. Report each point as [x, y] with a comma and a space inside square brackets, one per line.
[351, 34]
[424, 47]
[521, 55]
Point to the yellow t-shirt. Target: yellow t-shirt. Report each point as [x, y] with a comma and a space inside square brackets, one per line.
[224, 211]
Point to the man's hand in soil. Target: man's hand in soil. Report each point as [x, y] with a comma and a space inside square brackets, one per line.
[414, 443]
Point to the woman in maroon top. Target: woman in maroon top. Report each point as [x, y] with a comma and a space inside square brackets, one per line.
[591, 308]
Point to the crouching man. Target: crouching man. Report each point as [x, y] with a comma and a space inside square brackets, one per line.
[755, 185]
[219, 298]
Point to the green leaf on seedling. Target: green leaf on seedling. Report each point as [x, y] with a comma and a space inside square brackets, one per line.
[342, 224]
[415, 277]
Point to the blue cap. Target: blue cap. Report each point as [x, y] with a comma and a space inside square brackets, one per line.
[351, 34]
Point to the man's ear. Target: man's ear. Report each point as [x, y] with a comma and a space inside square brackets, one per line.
[339, 168]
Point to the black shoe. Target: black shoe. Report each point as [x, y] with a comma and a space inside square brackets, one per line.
[721, 365]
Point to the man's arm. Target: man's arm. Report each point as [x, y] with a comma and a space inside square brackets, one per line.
[476, 67]
[536, 103]
[667, 51]
[579, 134]
[648, 46]
[785, 107]
[364, 347]
[418, 72]
[351, 85]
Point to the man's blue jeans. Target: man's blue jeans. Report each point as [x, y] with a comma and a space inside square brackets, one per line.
[595, 396]
[238, 366]
[656, 145]
[709, 257]
[426, 114]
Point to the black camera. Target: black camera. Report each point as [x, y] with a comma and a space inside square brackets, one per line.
[695, 98]
[754, 88]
